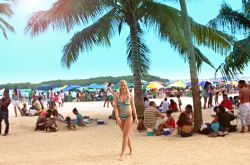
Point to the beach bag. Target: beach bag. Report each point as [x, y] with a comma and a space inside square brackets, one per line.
[232, 128]
[205, 129]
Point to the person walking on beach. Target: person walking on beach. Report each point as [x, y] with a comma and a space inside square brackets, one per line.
[110, 96]
[124, 113]
[244, 97]
[4, 112]
[16, 102]
[204, 93]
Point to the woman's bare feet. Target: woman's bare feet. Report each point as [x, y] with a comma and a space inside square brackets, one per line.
[121, 158]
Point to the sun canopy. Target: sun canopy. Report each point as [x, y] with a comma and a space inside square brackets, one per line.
[179, 84]
[70, 87]
[97, 86]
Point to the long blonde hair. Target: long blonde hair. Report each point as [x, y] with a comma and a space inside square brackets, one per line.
[127, 89]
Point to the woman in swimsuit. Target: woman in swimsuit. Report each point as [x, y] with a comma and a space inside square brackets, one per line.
[124, 112]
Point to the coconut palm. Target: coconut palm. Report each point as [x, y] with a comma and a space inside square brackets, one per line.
[105, 18]
[192, 67]
[5, 10]
[237, 22]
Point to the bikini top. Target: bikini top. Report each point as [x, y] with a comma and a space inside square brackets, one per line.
[120, 102]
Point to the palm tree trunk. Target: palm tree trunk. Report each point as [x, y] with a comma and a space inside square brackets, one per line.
[138, 94]
[192, 67]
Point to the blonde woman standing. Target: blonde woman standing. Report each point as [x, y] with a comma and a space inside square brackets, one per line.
[124, 112]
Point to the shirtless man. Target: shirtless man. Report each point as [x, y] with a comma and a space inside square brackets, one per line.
[244, 97]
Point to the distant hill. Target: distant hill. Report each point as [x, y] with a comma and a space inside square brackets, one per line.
[80, 82]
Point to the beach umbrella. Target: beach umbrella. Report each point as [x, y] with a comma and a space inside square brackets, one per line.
[202, 83]
[154, 85]
[45, 87]
[189, 84]
[179, 84]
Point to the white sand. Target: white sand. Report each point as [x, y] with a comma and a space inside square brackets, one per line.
[101, 144]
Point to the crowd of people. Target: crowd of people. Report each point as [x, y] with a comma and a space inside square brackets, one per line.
[156, 118]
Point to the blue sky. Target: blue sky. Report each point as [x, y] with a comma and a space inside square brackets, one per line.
[26, 59]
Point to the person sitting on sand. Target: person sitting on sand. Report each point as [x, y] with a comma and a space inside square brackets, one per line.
[224, 119]
[70, 123]
[173, 106]
[215, 125]
[25, 110]
[150, 115]
[169, 123]
[184, 124]
[226, 103]
[164, 105]
[189, 112]
[49, 122]
[41, 121]
[79, 118]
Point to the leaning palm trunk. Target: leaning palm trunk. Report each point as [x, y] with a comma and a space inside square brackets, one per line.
[136, 70]
[192, 67]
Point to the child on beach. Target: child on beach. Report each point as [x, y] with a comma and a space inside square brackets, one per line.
[70, 123]
[79, 118]
[179, 102]
[25, 110]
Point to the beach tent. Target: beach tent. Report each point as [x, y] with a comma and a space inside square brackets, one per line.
[84, 88]
[45, 87]
[70, 87]
[97, 86]
[179, 84]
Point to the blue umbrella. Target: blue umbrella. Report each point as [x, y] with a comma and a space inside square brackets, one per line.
[45, 87]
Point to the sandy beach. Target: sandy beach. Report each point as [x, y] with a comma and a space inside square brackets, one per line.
[101, 144]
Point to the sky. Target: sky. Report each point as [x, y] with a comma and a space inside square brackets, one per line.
[37, 59]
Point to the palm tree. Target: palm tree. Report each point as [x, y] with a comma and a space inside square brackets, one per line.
[236, 21]
[5, 10]
[192, 67]
[108, 17]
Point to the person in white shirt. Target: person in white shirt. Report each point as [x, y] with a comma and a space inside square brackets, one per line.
[164, 105]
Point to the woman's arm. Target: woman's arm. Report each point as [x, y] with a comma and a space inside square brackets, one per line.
[133, 108]
[5, 103]
[116, 107]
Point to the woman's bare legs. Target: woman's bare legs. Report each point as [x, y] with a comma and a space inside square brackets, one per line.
[15, 111]
[125, 126]
[21, 113]
[205, 102]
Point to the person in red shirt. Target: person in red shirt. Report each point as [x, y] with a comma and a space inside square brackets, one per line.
[173, 105]
[226, 102]
[169, 123]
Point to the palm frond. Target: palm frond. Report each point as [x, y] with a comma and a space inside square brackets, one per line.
[200, 58]
[230, 19]
[218, 41]
[64, 14]
[237, 60]
[167, 22]
[5, 9]
[143, 55]
[99, 33]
